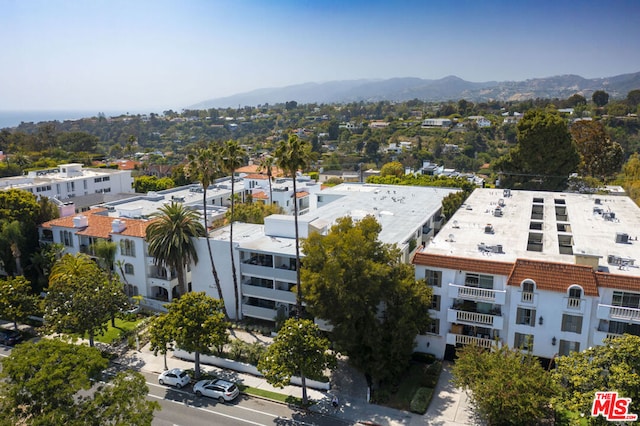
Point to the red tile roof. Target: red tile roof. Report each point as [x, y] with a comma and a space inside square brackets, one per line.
[472, 265]
[302, 194]
[618, 281]
[260, 195]
[553, 276]
[256, 176]
[100, 225]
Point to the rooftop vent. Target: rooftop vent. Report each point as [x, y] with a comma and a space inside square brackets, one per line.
[611, 216]
[621, 261]
[497, 212]
[506, 193]
[488, 229]
[598, 201]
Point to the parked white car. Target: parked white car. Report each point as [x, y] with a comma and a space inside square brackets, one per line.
[176, 377]
[219, 389]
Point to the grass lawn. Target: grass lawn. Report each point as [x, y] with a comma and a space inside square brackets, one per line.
[113, 333]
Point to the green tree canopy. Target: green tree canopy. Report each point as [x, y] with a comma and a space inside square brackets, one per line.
[601, 157]
[41, 382]
[196, 323]
[298, 349]
[394, 168]
[545, 155]
[615, 365]
[508, 387]
[81, 297]
[254, 212]
[17, 300]
[144, 184]
[600, 98]
[371, 299]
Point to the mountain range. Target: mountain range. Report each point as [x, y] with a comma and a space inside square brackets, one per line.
[445, 89]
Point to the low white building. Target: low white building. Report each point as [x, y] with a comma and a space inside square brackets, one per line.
[68, 183]
[436, 122]
[552, 272]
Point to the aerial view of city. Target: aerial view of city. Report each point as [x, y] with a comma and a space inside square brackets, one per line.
[319, 213]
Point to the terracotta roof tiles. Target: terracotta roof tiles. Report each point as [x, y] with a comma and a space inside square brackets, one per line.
[553, 276]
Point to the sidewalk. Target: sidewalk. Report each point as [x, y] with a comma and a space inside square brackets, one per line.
[448, 408]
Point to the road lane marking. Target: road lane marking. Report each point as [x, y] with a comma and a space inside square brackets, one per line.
[208, 411]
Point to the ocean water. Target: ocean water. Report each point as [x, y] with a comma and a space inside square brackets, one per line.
[14, 118]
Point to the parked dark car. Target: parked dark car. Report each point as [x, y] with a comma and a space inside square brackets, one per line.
[10, 337]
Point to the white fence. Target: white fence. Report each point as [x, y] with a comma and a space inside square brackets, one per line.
[243, 368]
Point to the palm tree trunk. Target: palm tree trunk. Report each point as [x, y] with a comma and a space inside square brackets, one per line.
[213, 265]
[295, 220]
[181, 279]
[233, 262]
[91, 339]
[270, 191]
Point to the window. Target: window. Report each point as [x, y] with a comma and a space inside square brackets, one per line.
[571, 323]
[528, 286]
[434, 326]
[523, 341]
[84, 182]
[66, 238]
[106, 179]
[128, 269]
[626, 300]
[435, 302]
[526, 317]
[433, 278]
[96, 180]
[477, 280]
[575, 292]
[566, 347]
[127, 248]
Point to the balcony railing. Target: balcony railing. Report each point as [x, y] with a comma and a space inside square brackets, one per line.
[527, 297]
[461, 339]
[573, 303]
[618, 313]
[477, 294]
[475, 318]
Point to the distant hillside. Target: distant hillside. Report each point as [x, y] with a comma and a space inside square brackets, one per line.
[444, 89]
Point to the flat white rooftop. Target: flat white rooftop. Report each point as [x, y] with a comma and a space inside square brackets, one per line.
[399, 209]
[546, 226]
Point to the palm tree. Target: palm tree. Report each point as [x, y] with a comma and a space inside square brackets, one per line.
[291, 156]
[170, 238]
[205, 166]
[266, 164]
[233, 157]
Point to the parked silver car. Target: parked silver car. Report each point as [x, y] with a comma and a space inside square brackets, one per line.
[219, 389]
[176, 377]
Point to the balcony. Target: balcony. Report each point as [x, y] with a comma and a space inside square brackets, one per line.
[258, 312]
[474, 318]
[477, 294]
[268, 293]
[574, 304]
[619, 313]
[528, 297]
[600, 336]
[278, 273]
[461, 339]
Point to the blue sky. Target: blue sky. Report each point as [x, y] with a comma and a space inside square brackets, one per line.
[138, 55]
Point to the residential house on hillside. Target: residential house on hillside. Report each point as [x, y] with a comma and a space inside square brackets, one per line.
[545, 271]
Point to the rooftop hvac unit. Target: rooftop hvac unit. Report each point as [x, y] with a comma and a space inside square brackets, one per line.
[488, 229]
[497, 212]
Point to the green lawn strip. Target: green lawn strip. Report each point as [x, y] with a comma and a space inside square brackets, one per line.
[280, 397]
[113, 333]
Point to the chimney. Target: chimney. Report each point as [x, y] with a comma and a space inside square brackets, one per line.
[80, 221]
[118, 226]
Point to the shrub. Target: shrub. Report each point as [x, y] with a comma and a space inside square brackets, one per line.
[432, 374]
[421, 400]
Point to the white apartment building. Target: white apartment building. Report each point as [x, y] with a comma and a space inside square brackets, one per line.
[551, 272]
[265, 254]
[70, 181]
